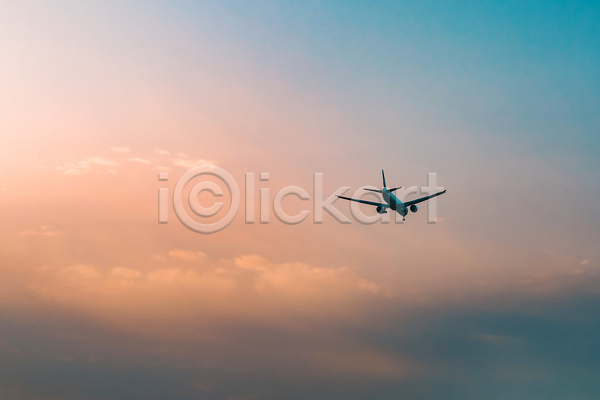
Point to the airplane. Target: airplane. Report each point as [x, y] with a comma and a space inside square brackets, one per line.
[391, 201]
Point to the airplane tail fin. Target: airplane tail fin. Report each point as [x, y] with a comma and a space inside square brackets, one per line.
[383, 176]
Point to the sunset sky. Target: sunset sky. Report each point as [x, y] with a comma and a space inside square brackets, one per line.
[500, 299]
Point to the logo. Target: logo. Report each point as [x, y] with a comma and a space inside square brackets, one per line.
[386, 201]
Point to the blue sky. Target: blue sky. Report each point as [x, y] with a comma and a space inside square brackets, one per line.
[530, 66]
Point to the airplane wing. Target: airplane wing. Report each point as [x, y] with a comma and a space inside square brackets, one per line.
[410, 203]
[371, 203]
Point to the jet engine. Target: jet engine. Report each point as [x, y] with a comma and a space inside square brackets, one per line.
[414, 208]
[381, 210]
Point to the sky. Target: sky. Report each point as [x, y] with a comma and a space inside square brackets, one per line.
[499, 299]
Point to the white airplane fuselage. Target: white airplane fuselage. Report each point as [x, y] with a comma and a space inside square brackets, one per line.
[394, 203]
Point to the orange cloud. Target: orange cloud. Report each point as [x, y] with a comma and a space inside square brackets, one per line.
[186, 254]
[89, 164]
[42, 230]
[191, 163]
[160, 152]
[139, 160]
[183, 305]
[246, 286]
